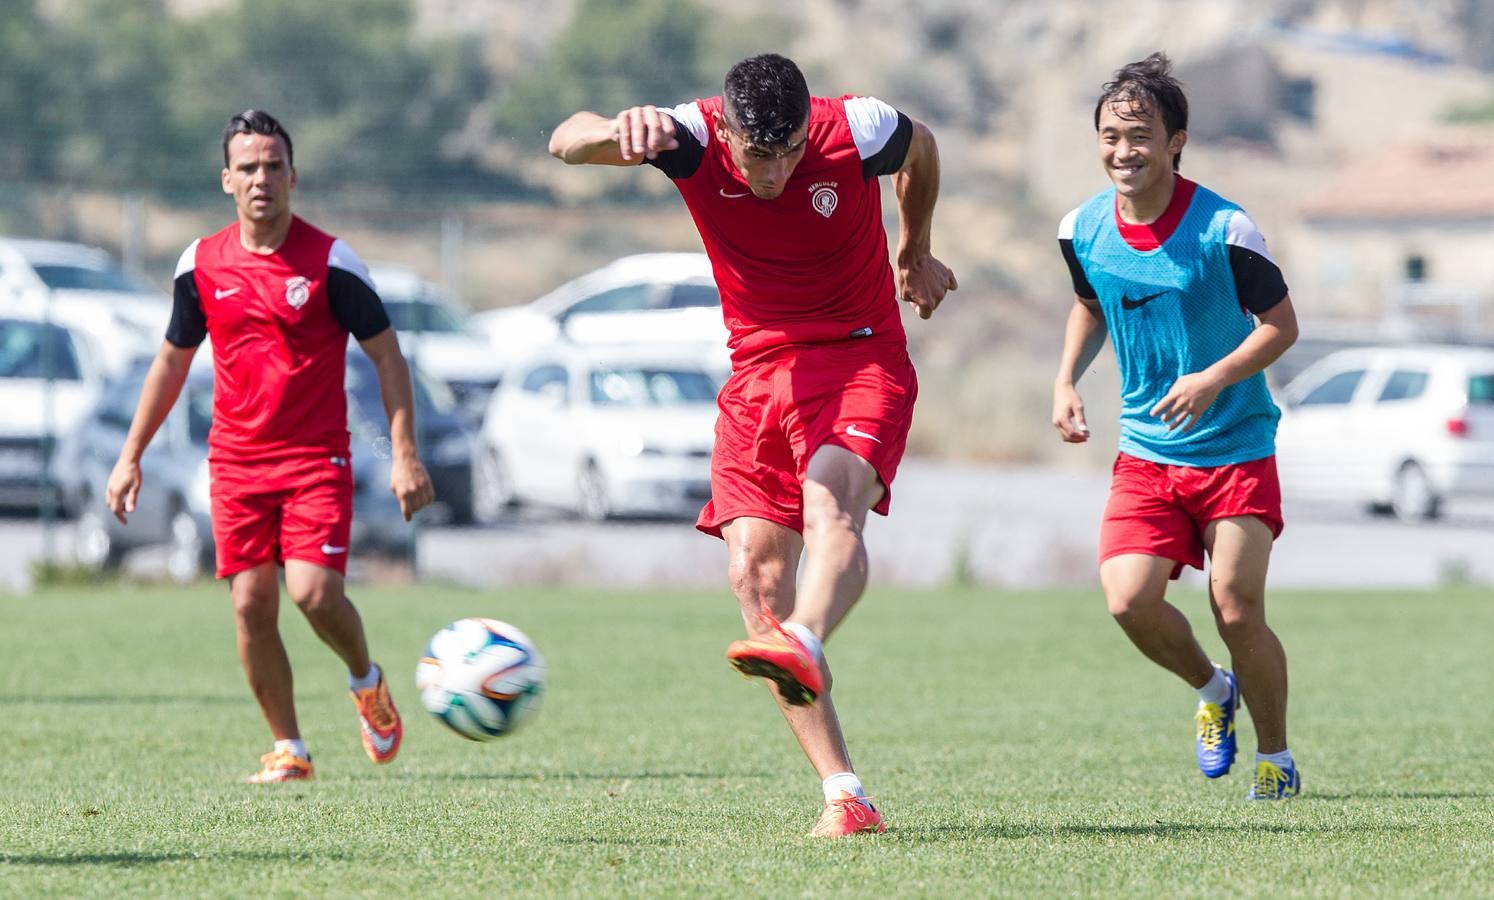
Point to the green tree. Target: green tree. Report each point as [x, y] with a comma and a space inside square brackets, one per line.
[28, 114]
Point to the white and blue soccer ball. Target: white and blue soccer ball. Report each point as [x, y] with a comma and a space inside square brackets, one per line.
[481, 678]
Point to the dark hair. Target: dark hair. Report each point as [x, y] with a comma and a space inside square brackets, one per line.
[1142, 87]
[257, 121]
[766, 97]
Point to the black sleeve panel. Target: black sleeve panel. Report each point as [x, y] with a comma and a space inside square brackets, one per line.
[893, 153]
[188, 325]
[1076, 272]
[1258, 281]
[682, 161]
[355, 305]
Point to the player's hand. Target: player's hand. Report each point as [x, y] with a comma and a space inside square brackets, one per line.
[923, 281]
[1068, 414]
[411, 485]
[643, 131]
[123, 488]
[1187, 400]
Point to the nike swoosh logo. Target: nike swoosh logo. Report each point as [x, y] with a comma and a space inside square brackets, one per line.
[1138, 303]
[329, 549]
[734, 196]
[853, 431]
[220, 293]
[382, 743]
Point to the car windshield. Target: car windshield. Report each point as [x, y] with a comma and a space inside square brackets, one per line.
[1481, 389]
[37, 350]
[694, 295]
[651, 387]
[199, 412]
[62, 277]
[363, 385]
[421, 315]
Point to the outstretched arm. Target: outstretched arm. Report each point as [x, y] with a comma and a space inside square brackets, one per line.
[408, 480]
[922, 280]
[627, 139]
[163, 384]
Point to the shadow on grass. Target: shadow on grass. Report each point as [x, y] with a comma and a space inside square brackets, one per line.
[119, 699]
[1398, 795]
[942, 833]
[567, 776]
[130, 860]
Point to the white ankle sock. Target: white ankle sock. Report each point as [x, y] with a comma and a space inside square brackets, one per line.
[295, 746]
[1282, 759]
[367, 681]
[1217, 690]
[808, 638]
[842, 781]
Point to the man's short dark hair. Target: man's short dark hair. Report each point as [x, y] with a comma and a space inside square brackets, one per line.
[257, 121]
[1138, 89]
[766, 98]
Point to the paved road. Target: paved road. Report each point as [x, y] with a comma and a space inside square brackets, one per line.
[1000, 526]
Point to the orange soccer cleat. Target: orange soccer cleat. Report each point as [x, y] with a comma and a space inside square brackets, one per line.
[847, 815]
[782, 658]
[281, 765]
[378, 721]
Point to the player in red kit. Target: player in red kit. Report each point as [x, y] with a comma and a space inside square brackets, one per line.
[813, 420]
[279, 299]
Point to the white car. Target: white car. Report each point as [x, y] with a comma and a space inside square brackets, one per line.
[85, 288]
[666, 296]
[1402, 429]
[39, 409]
[604, 431]
[434, 335]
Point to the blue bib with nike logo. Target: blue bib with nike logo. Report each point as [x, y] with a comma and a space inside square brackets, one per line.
[1171, 312]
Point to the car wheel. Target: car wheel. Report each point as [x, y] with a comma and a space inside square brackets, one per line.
[591, 487]
[1414, 499]
[492, 486]
[93, 545]
[189, 546]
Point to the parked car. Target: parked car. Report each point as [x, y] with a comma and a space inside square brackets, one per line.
[603, 430]
[49, 376]
[1399, 429]
[434, 336]
[86, 289]
[174, 506]
[674, 294]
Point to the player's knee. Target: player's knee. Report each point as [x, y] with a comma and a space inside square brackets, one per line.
[256, 611]
[317, 600]
[1128, 608]
[1237, 615]
[759, 583]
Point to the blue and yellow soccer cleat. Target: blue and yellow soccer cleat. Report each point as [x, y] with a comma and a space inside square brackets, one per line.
[1216, 732]
[1272, 782]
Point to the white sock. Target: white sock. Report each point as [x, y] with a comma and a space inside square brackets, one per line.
[1217, 690]
[808, 638]
[842, 781]
[1282, 759]
[367, 681]
[296, 746]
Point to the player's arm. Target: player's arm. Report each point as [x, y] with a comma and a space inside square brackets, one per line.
[922, 280]
[1083, 336]
[408, 479]
[634, 135]
[163, 384]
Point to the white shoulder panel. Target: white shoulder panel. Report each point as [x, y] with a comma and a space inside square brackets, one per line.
[1243, 233]
[343, 257]
[1066, 225]
[690, 116]
[188, 262]
[872, 124]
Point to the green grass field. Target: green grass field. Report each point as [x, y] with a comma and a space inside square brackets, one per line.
[1017, 744]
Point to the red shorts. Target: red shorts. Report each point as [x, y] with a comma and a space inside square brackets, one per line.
[1162, 510]
[776, 412]
[298, 508]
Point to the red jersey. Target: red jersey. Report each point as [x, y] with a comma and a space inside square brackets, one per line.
[810, 265]
[279, 325]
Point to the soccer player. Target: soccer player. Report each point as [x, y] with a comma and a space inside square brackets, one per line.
[279, 298]
[813, 420]
[1196, 309]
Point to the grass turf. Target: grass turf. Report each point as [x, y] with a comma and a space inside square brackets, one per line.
[1017, 744]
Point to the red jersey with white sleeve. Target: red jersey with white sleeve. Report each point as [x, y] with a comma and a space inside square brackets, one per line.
[279, 324]
[811, 265]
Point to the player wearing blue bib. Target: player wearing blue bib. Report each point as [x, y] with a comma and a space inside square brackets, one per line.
[1182, 282]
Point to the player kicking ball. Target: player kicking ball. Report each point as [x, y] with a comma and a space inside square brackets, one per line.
[1196, 309]
[783, 189]
[279, 299]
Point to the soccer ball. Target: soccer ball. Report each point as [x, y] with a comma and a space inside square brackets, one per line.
[481, 678]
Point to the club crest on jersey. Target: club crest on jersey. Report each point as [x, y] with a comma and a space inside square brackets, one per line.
[823, 198]
[297, 291]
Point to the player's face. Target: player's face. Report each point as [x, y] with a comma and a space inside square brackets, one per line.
[765, 169]
[1136, 149]
[259, 177]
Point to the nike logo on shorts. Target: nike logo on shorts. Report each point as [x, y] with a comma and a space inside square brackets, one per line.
[733, 196]
[331, 550]
[219, 293]
[853, 431]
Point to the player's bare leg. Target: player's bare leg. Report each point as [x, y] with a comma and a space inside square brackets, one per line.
[256, 608]
[1135, 585]
[840, 488]
[319, 593]
[1239, 553]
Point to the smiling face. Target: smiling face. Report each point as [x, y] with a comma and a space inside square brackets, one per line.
[259, 177]
[1136, 150]
[765, 169]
